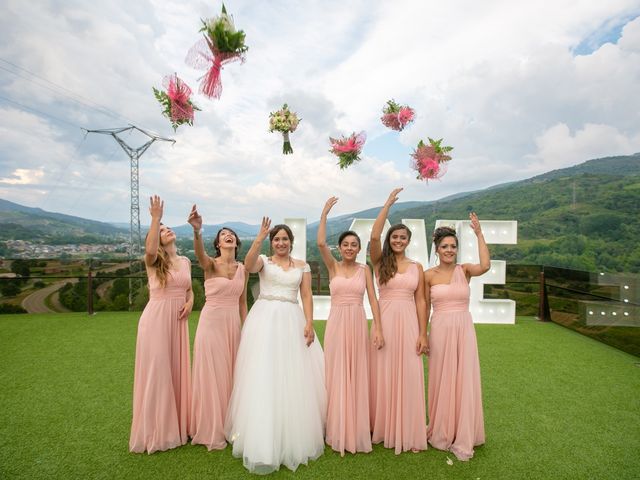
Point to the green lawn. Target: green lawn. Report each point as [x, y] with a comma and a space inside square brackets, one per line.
[557, 405]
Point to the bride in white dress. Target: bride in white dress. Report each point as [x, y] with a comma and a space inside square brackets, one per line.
[277, 409]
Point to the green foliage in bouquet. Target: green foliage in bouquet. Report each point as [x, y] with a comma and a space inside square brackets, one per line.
[165, 102]
[222, 33]
[438, 148]
[392, 107]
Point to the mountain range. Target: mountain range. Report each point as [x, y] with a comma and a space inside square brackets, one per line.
[18, 222]
[585, 216]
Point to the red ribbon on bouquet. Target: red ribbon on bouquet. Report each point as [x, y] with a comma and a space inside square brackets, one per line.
[204, 55]
[179, 93]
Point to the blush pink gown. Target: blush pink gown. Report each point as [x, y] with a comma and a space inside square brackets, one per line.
[346, 353]
[214, 354]
[162, 378]
[456, 421]
[397, 408]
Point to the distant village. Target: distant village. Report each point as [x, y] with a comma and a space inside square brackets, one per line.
[29, 250]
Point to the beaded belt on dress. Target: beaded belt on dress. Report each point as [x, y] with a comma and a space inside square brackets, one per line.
[277, 298]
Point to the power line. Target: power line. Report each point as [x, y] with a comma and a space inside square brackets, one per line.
[84, 101]
[39, 112]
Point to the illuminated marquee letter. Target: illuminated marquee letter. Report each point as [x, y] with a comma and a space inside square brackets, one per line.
[495, 232]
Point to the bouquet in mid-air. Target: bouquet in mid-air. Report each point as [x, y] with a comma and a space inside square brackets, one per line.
[430, 161]
[284, 121]
[175, 100]
[348, 149]
[396, 116]
[221, 44]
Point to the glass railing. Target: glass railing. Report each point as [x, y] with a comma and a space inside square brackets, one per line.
[604, 306]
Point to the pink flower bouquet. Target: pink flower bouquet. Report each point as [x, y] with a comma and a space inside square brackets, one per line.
[221, 44]
[430, 161]
[348, 149]
[396, 116]
[284, 121]
[177, 105]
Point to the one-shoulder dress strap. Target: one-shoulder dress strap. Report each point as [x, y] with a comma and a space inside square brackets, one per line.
[459, 272]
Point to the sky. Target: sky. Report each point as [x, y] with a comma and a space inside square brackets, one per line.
[517, 88]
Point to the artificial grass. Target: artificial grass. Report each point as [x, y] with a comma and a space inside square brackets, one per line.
[557, 405]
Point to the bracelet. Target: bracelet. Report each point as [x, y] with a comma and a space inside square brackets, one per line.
[197, 232]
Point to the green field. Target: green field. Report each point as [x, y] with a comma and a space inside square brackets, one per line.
[557, 405]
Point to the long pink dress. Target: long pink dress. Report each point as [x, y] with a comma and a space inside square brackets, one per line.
[456, 420]
[397, 408]
[162, 379]
[346, 353]
[214, 356]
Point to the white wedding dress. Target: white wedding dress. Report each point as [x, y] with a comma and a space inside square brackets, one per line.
[277, 410]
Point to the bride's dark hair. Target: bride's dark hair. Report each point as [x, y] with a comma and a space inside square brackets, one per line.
[274, 231]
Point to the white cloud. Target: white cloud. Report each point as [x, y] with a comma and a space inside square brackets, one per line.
[497, 79]
[22, 176]
[559, 147]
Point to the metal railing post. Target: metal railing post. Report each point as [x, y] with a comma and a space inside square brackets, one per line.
[90, 292]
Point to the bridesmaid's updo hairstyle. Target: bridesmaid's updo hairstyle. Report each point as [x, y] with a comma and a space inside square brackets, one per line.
[441, 233]
[388, 263]
[216, 242]
[349, 233]
[274, 231]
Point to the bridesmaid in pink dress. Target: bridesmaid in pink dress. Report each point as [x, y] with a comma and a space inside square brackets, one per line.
[397, 409]
[162, 379]
[218, 334]
[346, 342]
[456, 420]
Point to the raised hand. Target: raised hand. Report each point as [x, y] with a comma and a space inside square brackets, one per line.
[393, 197]
[328, 206]
[157, 207]
[475, 223]
[265, 226]
[195, 220]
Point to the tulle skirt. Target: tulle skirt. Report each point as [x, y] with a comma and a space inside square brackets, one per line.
[277, 410]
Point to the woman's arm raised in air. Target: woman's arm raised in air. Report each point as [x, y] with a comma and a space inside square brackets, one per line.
[375, 245]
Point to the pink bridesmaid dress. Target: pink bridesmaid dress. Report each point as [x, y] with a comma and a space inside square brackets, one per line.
[346, 353]
[456, 421]
[214, 355]
[162, 379]
[397, 408]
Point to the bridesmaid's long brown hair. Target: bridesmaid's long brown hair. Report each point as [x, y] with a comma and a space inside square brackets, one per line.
[162, 263]
[388, 264]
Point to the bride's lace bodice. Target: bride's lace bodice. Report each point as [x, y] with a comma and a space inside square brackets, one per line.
[279, 284]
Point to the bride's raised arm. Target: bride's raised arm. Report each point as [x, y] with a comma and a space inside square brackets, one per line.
[252, 261]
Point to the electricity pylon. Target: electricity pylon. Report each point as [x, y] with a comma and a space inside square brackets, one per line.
[135, 240]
